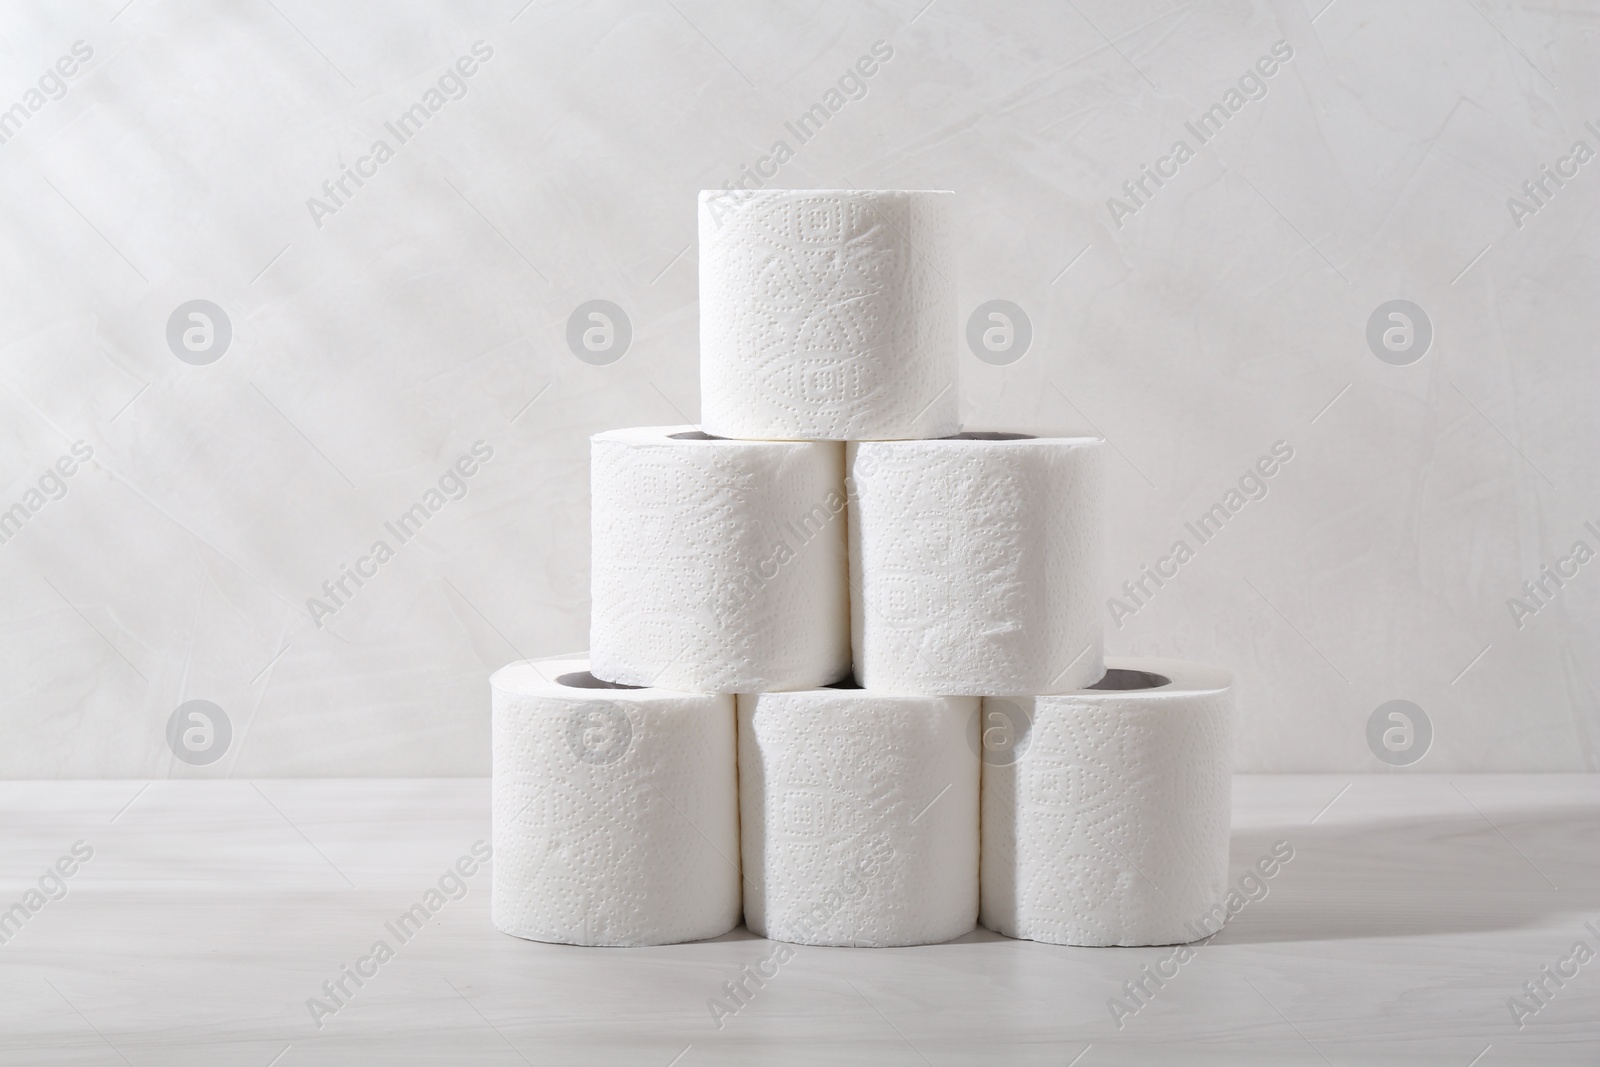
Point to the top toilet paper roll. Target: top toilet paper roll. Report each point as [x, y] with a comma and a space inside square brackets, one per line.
[718, 566]
[975, 564]
[1106, 814]
[827, 314]
[615, 810]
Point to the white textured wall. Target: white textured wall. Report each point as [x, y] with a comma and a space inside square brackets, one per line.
[428, 310]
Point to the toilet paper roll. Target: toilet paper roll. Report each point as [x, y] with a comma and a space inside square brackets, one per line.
[827, 314]
[858, 817]
[718, 566]
[615, 810]
[975, 564]
[1106, 811]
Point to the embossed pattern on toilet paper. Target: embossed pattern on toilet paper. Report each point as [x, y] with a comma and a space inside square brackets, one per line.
[859, 817]
[975, 565]
[828, 315]
[1113, 827]
[615, 818]
[718, 566]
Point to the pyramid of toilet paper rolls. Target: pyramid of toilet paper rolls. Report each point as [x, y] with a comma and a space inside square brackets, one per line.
[845, 678]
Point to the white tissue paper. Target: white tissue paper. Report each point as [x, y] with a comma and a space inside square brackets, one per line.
[975, 564]
[615, 811]
[859, 817]
[718, 566]
[1106, 811]
[827, 314]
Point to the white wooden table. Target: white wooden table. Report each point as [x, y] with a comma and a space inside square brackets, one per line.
[211, 912]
